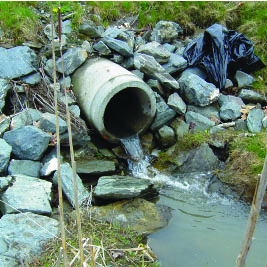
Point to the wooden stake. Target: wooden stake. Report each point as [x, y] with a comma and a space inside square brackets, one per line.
[61, 212]
[254, 214]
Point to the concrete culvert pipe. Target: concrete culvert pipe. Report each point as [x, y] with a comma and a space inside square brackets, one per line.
[114, 101]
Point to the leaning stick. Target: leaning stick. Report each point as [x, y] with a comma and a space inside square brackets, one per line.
[254, 213]
[73, 163]
[61, 212]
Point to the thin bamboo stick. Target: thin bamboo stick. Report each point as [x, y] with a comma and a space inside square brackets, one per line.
[254, 213]
[61, 212]
[73, 163]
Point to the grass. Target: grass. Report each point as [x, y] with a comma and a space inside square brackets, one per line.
[117, 246]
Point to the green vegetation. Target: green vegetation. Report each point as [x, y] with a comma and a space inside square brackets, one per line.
[118, 246]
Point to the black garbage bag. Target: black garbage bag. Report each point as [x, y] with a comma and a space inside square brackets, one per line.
[221, 52]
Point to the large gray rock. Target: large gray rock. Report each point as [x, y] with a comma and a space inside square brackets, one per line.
[32, 79]
[180, 128]
[23, 237]
[197, 71]
[26, 117]
[4, 184]
[28, 142]
[156, 50]
[176, 63]
[4, 155]
[153, 69]
[230, 107]
[72, 59]
[254, 120]
[212, 112]
[177, 103]
[198, 121]
[121, 187]
[17, 61]
[249, 96]
[4, 124]
[163, 113]
[27, 194]
[78, 138]
[200, 159]
[48, 123]
[140, 215]
[243, 79]
[165, 32]
[119, 46]
[166, 136]
[67, 185]
[24, 167]
[102, 48]
[99, 167]
[5, 87]
[195, 90]
[91, 30]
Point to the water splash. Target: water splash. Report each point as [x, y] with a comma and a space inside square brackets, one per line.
[133, 148]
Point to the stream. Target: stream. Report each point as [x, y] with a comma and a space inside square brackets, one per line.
[205, 229]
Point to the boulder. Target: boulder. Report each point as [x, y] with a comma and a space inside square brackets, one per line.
[72, 59]
[67, 185]
[156, 50]
[180, 128]
[122, 187]
[197, 71]
[23, 237]
[96, 166]
[48, 123]
[102, 48]
[5, 182]
[165, 32]
[163, 113]
[17, 61]
[249, 96]
[27, 194]
[254, 120]
[140, 215]
[176, 63]
[166, 136]
[91, 30]
[24, 167]
[243, 79]
[195, 90]
[28, 142]
[212, 112]
[119, 46]
[230, 107]
[177, 103]
[198, 121]
[5, 87]
[4, 155]
[153, 69]
[78, 138]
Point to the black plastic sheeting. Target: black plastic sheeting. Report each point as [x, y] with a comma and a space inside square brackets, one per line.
[221, 52]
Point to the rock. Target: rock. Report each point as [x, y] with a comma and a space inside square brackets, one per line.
[122, 187]
[228, 84]
[119, 46]
[156, 50]
[72, 59]
[163, 113]
[78, 138]
[27, 194]
[147, 142]
[138, 42]
[49, 68]
[48, 31]
[28, 142]
[17, 61]
[195, 90]
[264, 122]
[91, 31]
[199, 160]
[128, 63]
[249, 96]
[169, 47]
[75, 110]
[112, 32]
[67, 82]
[153, 69]
[99, 167]
[156, 86]
[140, 215]
[176, 63]
[70, 98]
[102, 48]
[230, 107]
[32, 79]
[24, 236]
[87, 46]
[4, 155]
[5, 182]
[180, 128]
[165, 32]
[166, 136]
[24, 167]
[198, 121]
[26, 117]
[177, 103]
[66, 27]
[5, 87]
[197, 71]
[241, 125]
[128, 37]
[48, 123]
[4, 124]
[67, 185]
[254, 120]
[117, 58]
[138, 73]
[243, 79]
[212, 112]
